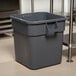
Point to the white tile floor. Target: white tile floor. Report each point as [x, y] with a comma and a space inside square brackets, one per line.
[8, 66]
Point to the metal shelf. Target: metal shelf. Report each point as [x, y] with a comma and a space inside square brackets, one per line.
[6, 31]
[5, 26]
[70, 45]
[5, 21]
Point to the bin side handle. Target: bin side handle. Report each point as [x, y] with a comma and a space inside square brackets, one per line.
[51, 32]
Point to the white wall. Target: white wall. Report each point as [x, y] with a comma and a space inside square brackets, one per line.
[43, 5]
[40, 5]
[57, 5]
[67, 6]
[25, 6]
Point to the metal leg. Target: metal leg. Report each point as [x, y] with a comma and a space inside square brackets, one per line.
[72, 27]
[51, 6]
[32, 6]
[62, 8]
[70, 31]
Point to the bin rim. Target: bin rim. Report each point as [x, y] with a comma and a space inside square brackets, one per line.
[39, 21]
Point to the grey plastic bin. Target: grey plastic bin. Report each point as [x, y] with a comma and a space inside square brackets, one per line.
[38, 39]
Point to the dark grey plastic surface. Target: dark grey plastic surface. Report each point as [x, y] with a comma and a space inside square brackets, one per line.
[38, 39]
[37, 18]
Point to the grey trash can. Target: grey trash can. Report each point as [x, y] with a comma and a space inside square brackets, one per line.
[38, 39]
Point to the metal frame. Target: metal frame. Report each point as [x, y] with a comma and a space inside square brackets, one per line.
[51, 6]
[62, 8]
[70, 27]
[70, 31]
[70, 42]
[32, 6]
